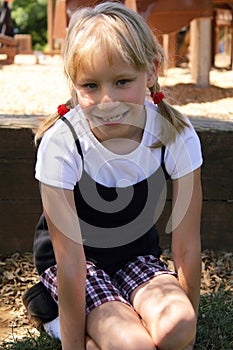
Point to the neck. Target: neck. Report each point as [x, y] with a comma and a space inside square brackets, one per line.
[124, 145]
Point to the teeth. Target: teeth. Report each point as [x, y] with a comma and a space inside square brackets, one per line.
[111, 119]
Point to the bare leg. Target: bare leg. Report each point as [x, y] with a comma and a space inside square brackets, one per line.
[53, 329]
[166, 312]
[116, 326]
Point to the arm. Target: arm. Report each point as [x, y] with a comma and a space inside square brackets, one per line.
[186, 243]
[65, 233]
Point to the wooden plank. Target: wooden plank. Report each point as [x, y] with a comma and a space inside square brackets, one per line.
[16, 144]
[8, 40]
[20, 121]
[24, 121]
[18, 221]
[9, 50]
[19, 218]
[217, 169]
[20, 204]
[18, 178]
[216, 225]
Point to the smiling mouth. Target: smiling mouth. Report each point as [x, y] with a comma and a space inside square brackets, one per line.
[114, 119]
[111, 119]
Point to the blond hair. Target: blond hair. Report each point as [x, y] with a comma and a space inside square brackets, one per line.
[121, 33]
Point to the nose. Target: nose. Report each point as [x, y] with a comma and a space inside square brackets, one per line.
[107, 95]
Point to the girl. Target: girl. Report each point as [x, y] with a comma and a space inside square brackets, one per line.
[102, 168]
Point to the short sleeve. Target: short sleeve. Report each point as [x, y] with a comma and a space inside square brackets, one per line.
[184, 155]
[58, 161]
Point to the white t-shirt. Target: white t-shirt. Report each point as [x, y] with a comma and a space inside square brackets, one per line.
[59, 163]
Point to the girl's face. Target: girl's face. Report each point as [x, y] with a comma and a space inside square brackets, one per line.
[112, 97]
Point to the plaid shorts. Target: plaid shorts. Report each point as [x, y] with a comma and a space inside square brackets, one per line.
[101, 288]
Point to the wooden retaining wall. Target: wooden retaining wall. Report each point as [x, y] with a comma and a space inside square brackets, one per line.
[20, 204]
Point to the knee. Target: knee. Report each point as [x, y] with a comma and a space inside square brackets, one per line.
[134, 341]
[178, 337]
[133, 344]
[177, 328]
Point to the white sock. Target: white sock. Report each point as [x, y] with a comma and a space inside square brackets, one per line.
[53, 328]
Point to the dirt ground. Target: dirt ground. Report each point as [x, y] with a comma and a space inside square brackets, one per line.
[30, 88]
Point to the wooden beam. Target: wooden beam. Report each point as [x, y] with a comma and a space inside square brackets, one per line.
[20, 195]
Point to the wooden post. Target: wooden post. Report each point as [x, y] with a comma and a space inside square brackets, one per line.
[231, 64]
[131, 4]
[201, 50]
[50, 24]
[59, 21]
[170, 47]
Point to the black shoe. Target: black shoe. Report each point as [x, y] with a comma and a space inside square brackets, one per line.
[41, 308]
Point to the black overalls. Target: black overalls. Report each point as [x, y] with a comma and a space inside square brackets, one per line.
[110, 238]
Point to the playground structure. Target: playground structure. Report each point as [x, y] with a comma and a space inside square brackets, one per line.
[206, 24]
[8, 47]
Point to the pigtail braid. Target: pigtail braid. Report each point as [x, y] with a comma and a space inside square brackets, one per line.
[49, 122]
[173, 121]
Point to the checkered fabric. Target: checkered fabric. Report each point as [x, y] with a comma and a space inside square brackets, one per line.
[101, 288]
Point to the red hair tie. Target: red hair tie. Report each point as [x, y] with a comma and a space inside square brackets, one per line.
[157, 97]
[62, 109]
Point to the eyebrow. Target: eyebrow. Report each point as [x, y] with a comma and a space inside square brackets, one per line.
[116, 77]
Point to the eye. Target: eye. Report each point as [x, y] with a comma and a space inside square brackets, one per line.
[122, 82]
[90, 86]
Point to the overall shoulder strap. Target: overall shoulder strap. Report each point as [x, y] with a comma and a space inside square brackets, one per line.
[75, 136]
[167, 176]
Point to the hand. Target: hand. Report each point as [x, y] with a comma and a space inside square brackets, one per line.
[90, 344]
[190, 346]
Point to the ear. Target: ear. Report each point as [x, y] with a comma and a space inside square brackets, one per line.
[152, 75]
